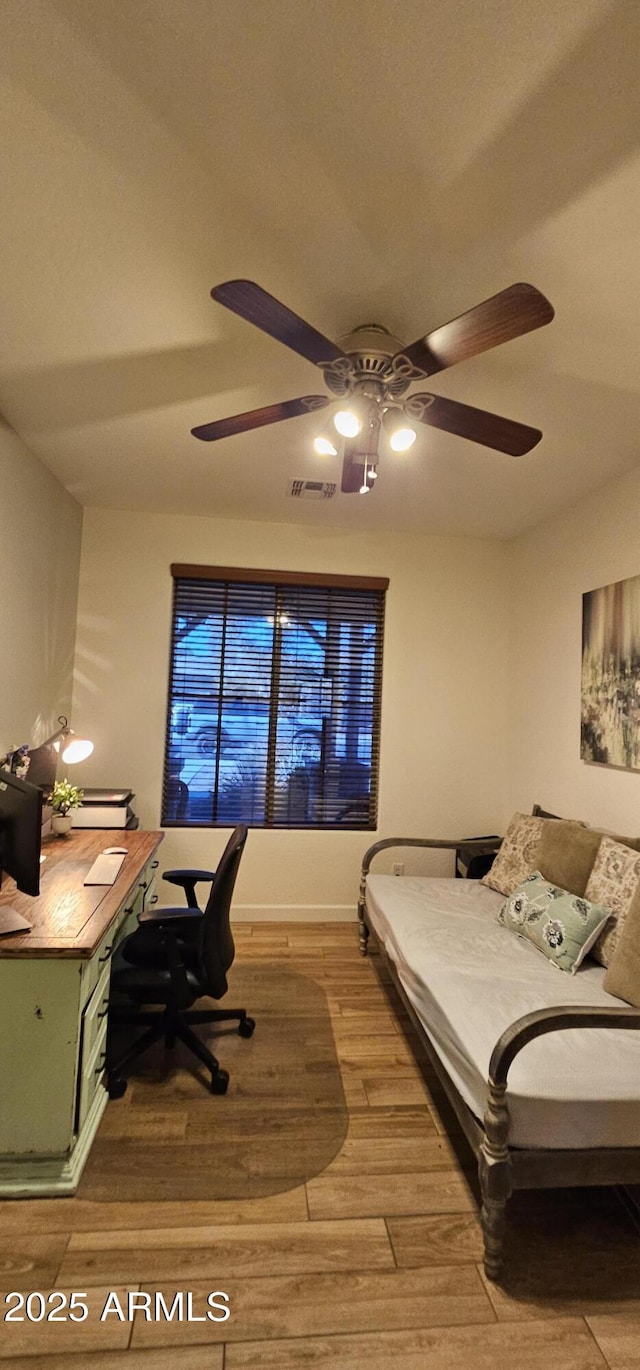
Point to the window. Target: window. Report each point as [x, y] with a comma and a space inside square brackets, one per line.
[274, 699]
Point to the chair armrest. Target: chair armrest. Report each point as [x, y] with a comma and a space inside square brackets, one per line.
[166, 914]
[188, 879]
[179, 877]
[553, 1020]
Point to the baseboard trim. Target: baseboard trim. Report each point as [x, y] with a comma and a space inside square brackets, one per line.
[294, 913]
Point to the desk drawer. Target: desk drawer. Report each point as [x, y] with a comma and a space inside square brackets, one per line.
[94, 1016]
[93, 970]
[141, 897]
[148, 883]
[93, 1074]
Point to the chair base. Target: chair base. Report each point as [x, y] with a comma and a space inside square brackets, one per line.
[172, 1025]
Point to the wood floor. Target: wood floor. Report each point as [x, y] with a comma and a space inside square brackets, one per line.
[375, 1262]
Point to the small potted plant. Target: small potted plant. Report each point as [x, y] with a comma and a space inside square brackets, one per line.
[64, 798]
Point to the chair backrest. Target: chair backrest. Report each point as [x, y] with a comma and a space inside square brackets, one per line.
[216, 948]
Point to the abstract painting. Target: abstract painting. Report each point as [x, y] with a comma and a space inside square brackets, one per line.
[610, 713]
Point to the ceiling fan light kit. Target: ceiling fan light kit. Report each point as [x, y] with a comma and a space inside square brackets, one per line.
[324, 444]
[347, 423]
[400, 436]
[375, 370]
[402, 439]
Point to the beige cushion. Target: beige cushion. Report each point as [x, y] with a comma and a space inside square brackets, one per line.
[614, 881]
[518, 855]
[623, 975]
[566, 853]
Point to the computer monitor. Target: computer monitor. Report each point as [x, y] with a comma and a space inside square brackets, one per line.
[20, 832]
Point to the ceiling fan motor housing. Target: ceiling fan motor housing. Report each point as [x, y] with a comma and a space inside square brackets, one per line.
[370, 349]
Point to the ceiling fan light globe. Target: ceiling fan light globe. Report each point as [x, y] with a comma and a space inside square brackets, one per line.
[347, 423]
[402, 439]
[324, 446]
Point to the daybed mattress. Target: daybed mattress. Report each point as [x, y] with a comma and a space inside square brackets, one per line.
[468, 979]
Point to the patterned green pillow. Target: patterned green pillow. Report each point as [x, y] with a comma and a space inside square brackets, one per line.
[561, 925]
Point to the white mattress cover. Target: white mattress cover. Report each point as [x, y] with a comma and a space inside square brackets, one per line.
[468, 979]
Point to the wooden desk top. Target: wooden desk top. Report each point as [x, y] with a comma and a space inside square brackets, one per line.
[69, 918]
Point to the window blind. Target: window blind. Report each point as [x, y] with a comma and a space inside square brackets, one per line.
[274, 699]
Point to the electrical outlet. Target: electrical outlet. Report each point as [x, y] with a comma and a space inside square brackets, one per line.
[398, 868]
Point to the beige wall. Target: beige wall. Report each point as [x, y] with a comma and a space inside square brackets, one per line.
[444, 690]
[481, 690]
[40, 534]
[550, 568]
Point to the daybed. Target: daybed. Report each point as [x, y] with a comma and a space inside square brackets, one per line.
[539, 1064]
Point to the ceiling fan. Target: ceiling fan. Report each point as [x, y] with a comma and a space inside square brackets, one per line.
[374, 370]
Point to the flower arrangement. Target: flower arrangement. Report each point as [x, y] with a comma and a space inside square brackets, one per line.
[65, 797]
[17, 761]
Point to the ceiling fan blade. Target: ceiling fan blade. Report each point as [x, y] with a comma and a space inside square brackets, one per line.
[479, 425]
[512, 312]
[255, 305]
[258, 418]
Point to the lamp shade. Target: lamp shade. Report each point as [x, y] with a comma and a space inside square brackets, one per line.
[76, 749]
[347, 423]
[325, 444]
[399, 433]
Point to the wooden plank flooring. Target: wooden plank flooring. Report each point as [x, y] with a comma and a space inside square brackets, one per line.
[375, 1261]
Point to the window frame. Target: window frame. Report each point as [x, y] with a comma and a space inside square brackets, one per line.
[230, 576]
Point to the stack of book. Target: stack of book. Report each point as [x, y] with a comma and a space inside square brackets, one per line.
[106, 809]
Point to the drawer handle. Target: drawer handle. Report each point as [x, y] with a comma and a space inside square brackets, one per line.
[104, 1012]
[154, 899]
[142, 884]
[154, 865]
[103, 1061]
[106, 954]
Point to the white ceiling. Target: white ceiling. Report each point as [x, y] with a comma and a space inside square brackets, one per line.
[387, 160]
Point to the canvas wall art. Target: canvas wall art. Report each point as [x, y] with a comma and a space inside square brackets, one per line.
[610, 713]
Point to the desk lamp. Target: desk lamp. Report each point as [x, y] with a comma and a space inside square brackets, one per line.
[64, 743]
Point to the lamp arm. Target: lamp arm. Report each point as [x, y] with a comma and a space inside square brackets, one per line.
[63, 730]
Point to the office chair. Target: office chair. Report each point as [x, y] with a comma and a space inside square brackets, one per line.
[175, 956]
[177, 798]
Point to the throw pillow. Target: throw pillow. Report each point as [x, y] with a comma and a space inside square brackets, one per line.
[623, 976]
[518, 854]
[566, 853]
[560, 924]
[613, 881]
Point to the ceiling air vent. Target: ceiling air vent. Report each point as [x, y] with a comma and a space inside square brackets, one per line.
[311, 489]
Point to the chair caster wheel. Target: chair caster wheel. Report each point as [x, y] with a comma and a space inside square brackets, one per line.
[220, 1082]
[116, 1087]
[247, 1027]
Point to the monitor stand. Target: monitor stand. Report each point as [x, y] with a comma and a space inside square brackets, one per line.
[12, 921]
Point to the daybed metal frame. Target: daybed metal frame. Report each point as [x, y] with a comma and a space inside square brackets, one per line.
[503, 1168]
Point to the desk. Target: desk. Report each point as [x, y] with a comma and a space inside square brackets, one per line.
[54, 992]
